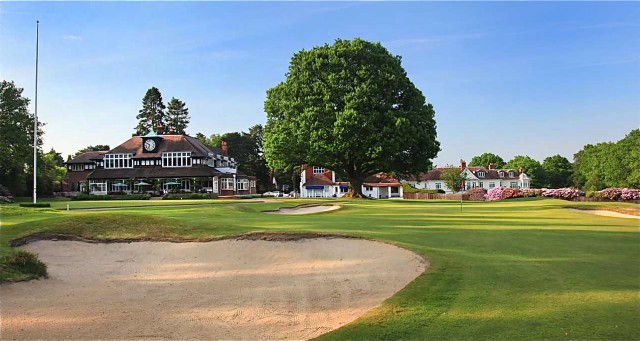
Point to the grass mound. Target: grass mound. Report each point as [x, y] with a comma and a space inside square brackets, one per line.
[23, 265]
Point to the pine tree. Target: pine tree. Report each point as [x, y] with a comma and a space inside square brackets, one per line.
[152, 112]
[177, 116]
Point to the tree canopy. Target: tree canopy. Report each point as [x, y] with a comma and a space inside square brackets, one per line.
[557, 172]
[16, 138]
[453, 178]
[609, 164]
[349, 107]
[531, 167]
[177, 117]
[485, 159]
[152, 112]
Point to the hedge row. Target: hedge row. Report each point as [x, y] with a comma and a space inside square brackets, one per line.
[189, 196]
[35, 205]
[88, 197]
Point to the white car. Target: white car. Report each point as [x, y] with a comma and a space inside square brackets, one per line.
[276, 194]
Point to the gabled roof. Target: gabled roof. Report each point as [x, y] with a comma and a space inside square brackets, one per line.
[493, 174]
[170, 143]
[381, 180]
[87, 157]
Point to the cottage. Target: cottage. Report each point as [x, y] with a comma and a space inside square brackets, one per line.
[157, 162]
[319, 182]
[475, 177]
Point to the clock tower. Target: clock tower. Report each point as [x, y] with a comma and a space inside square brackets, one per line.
[151, 142]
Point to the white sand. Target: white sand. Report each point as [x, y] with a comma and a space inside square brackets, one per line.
[305, 209]
[226, 289]
[607, 213]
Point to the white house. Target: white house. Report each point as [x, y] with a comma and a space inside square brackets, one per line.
[475, 177]
[318, 182]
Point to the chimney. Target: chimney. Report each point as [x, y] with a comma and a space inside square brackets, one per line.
[172, 131]
[463, 164]
[224, 147]
[521, 170]
[159, 128]
[491, 164]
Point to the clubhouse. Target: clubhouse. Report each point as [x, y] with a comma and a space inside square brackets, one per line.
[157, 163]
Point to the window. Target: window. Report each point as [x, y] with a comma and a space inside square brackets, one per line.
[501, 174]
[492, 184]
[438, 185]
[252, 184]
[343, 189]
[227, 184]
[318, 170]
[513, 184]
[368, 188]
[76, 167]
[511, 174]
[176, 159]
[481, 184]
[118, 161]
[481, 174]
[243, 185]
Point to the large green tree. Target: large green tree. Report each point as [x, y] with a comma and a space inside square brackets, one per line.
[177, 118]
[557, 172]
[349, 107]
[16, 138]
[152, 113]
[609, 164]
[485, 159]
[453, 178]
[531, 167]
[51, 172]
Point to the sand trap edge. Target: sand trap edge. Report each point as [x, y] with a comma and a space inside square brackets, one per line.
[285, 210]
[604, 213]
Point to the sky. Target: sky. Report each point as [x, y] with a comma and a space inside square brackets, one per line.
[510, 78]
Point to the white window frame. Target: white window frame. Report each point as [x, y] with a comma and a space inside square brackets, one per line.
[176, 159]
[513, 184]
[118, 161]
[243, 185]
[438, 185]
[226, 184]
[318, 170]
[492, 184]
[481, 174]
[511, 174]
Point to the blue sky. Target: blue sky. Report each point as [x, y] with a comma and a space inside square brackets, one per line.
[533, 79]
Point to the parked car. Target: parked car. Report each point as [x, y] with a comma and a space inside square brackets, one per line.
[276, 194]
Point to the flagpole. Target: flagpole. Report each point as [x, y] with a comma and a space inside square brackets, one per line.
[35, 121]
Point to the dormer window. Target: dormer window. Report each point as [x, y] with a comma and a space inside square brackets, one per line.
[481, 174]
[511, 174]
[318, 170]
[118, 161]
[501, 174]
[176, 159]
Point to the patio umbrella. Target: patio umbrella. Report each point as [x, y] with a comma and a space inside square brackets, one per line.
[171, 183]
[142, 183]
[120, 185]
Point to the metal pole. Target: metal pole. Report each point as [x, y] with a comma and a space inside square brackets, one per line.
[35, 122]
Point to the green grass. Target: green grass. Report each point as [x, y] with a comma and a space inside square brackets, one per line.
[518, 269]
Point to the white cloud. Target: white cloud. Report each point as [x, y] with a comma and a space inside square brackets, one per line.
[71, 37]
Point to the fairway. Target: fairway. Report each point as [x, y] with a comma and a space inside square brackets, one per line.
[520, 269]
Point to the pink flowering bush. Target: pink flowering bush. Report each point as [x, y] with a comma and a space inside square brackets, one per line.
[494, 194]
[618, 194]
[530, 192]
[509, 193]
[476, 194]
[562, 193]
[630, 194]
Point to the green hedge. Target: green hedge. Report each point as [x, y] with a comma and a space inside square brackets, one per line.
[190, 196]
[87, 197]
[247, 196]
[35, 205]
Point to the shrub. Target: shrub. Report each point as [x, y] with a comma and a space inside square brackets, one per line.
[39, 204]
[247, 196]
[408, 188]
[88, 197]
[530, 192]
[24, 262]
[191, 196]
[618, 193]
[494, 194]
[476, 194]
[630, 194]
[562, 193]
[611, 193]
[509, 193]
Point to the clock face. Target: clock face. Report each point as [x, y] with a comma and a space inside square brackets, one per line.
[149, 145]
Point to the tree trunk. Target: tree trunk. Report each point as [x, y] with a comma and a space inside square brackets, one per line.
[355, 189]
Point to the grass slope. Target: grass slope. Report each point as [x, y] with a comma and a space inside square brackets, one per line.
[520, 269]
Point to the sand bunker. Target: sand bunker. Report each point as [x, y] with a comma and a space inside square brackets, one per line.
[607, 213]
[229, 289]
[305, 209]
